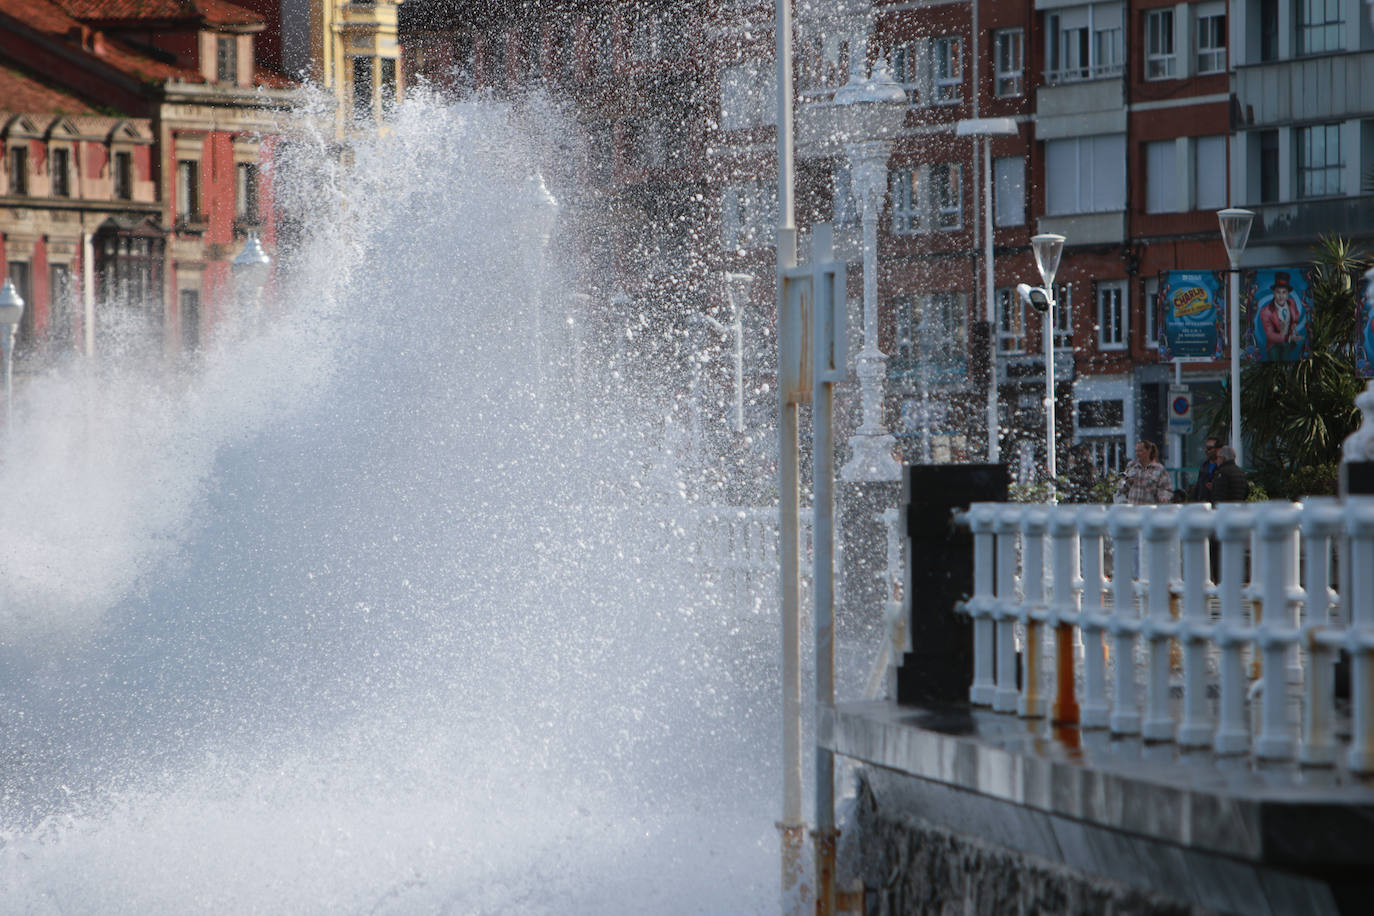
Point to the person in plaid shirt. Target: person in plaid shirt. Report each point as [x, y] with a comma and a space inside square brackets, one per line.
[1145, 482]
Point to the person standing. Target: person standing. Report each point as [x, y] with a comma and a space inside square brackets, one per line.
[1202, 487]
[1145, 482]
[1229, 483]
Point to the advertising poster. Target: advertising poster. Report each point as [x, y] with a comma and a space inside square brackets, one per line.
[1194, 321]
[1277, 306]
[1364, 340]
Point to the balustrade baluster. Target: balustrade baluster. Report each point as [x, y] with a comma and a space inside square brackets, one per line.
[1276, 527]
[1233, 533]
[1123, 522]
[1321, 525]
[1359, 522]
[981, 520]
[1195, 524]
[1161, 531]
[1092, 525]
[1008, 531]
[1067, 588]
[1035, 601]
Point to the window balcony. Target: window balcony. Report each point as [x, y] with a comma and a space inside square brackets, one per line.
[1304, 221]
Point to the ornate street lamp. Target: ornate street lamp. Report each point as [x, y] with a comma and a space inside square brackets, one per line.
[1235, 232]
[866, 115]
[11, 310]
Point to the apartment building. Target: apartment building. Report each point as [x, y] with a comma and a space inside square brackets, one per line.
[1133, 121]
[134, 139]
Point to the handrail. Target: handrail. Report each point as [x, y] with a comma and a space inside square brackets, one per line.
[1041, 569]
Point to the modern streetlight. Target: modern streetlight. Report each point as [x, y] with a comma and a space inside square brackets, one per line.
[250, 268]
[986, 129]
[1235, 232]
[11, 310]
[1047, 248]
[866, 115]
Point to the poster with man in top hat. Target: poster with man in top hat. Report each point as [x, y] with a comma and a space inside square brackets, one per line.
[1278, 304]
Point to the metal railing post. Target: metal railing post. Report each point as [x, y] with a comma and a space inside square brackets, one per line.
[984, 687]
[1276, 555]
[1161, 531]
[1321, 526]
[1064, 610]
[1359, 525]
[1035, 599]
[1008, 529]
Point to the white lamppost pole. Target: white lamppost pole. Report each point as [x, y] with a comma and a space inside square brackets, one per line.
[250, 268]
[1048, 248]
[11, 310]
[868, 114]
[987, 128]
[1235, 232]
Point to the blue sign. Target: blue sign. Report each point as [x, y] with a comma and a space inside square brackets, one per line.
[1364, 340]
[1192, 302]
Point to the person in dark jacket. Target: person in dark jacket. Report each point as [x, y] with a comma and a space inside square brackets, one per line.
[1229, 483]
[1202, 487]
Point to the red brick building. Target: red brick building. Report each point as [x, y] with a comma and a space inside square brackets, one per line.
[135, 135]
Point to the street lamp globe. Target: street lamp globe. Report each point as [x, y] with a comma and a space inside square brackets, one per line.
[11, 307]
[1235, 231]
[251, 266]
[1048, 248]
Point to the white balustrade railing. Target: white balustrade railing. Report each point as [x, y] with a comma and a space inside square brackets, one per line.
[1243, 665]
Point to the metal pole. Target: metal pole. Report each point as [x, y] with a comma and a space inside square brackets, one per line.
[7, 344]
[994, 446]
[823, 549]
[792, 826]
[1050, 465]
[1233, 306]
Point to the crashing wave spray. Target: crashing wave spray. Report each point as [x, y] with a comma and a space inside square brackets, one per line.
[372, 612]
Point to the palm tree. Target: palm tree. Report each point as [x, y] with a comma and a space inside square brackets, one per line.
[1297, 414]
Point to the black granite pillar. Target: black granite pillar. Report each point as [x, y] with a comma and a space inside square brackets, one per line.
[940, 573]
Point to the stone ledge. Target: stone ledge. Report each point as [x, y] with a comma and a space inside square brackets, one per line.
[1285, 817]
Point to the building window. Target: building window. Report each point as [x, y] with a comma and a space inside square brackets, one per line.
[1083, 43]
[1268, 166]
[946, 184]
[1209, 171]
[188, 191]
[1320, 26]
[388, 82]
[190, 318]
[1009, 61]
[1063, 316]
[19, 170]
[1160, 61]
[904, 68]
[1319, 160]
[1161, 177]
[1152, 313]
[1269, 30]
[906, 211]
[362, 87]
[1009, 191]
[246, 192]
[846, 207]
[1211, 43]
[946, 69]
[226, 59]
[60, 169]
[61, 307]
[748, 215]
[124, 176]
[932, 338]
[18, 272]
[1112, 327]
[747, 97]
[1085, 175]
[1011, 322]
[1108, 453]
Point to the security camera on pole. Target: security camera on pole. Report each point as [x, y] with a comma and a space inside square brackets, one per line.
[1047, 248]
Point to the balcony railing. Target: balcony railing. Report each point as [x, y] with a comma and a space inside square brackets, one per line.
[1082, 74]
[1042, 582]
[1308, 220]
